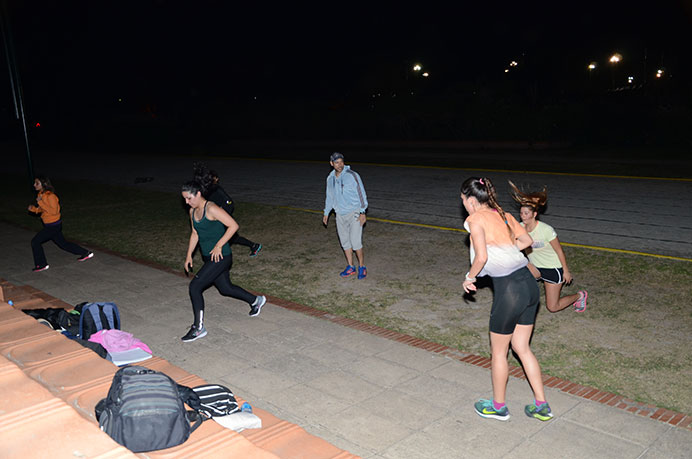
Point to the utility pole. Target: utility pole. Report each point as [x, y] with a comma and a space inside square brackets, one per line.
[15, 82]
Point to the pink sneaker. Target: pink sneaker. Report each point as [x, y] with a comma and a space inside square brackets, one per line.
[580, 304]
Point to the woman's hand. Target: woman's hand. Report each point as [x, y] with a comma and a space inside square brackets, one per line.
[188, 264]
[469, 286]
[216, 254]
[567, 275]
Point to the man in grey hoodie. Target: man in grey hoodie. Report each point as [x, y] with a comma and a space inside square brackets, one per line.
[346, 195]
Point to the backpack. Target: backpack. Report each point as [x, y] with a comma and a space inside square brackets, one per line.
[216, 400]
[144, 412]
[97, 316]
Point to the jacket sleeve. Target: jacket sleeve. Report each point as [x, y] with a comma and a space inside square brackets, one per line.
[362, 197]
[329, 200]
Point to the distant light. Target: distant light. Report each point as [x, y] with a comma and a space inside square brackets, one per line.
[38, 124]
[659, 73]
[506, 70]
[615, 58]
[426, 74]
[255, 97]
[120, 99]
[513, 64]
[630, 79]
[417, 67]
[592, 66]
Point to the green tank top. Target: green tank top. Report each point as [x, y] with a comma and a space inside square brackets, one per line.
[209, 232]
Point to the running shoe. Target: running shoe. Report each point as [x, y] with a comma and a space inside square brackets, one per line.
[542, 413]
[580, 304]
[194, 334]
[362, 272]
[38, 269]
[485, 408]
[256, 307]
[349, 271]
[86, 257]
[255, 249]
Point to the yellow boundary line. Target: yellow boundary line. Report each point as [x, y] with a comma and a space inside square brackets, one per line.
[414, 166]
[460, 230]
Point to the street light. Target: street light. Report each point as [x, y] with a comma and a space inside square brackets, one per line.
[417, 67]
[591, 67]
[614, 59]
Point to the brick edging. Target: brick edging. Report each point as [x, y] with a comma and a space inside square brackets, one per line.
[590, 393]
[673, 418]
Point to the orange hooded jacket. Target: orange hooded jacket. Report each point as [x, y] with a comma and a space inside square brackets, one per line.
[48, 207]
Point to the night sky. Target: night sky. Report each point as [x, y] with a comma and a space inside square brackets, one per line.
[165, 53]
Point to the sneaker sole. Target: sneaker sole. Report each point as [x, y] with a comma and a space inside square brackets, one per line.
[202, 335]
[492, 416]
[42, 269]
[348, 275]
[539, 416]
[582, 308]
[91, 255]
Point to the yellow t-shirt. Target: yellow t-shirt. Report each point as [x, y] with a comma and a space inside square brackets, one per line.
[543, 257]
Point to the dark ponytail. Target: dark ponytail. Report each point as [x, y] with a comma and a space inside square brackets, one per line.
[483, 190]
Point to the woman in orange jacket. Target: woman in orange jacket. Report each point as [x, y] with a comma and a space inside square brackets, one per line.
[48, 207]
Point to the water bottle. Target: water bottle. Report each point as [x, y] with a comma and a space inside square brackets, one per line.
[246, 407]
[10, 302]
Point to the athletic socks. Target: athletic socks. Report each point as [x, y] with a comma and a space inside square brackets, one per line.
[498, 406]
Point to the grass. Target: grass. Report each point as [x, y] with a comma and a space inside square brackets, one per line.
[633, 340]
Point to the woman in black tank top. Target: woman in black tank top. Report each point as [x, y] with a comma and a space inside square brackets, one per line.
[212, 228]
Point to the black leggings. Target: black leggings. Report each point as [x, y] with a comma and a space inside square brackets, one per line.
[516, 301]
[217, 274]
[53, 232]
[240, 240]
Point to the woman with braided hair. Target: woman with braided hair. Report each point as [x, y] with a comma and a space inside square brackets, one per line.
[497, 240]
[547, 259]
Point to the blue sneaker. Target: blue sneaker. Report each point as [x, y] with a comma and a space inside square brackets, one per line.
[255, 249]
[349, 271]
[362, 272]
[485, 409]
[542, 412]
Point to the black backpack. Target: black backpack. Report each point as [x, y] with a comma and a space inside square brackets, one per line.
[215, 400]
[97, 316]
[144, 411]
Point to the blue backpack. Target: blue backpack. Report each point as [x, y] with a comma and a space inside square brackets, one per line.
[94, 317]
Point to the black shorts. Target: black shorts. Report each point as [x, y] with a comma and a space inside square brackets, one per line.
[515, 303]
[552, 275]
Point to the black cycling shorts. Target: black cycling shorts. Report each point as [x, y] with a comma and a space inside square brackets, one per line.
[515, 303]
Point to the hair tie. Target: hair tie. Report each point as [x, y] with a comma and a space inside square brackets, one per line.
[481, 180]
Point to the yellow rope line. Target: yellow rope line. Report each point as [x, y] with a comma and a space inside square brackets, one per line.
[460, 230]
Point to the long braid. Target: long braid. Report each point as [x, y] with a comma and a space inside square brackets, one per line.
[492, 201]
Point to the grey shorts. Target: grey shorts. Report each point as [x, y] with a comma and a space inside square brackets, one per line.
[350, 231]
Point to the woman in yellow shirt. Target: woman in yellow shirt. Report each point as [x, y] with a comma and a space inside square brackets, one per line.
[547, 259]
[48, 207]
